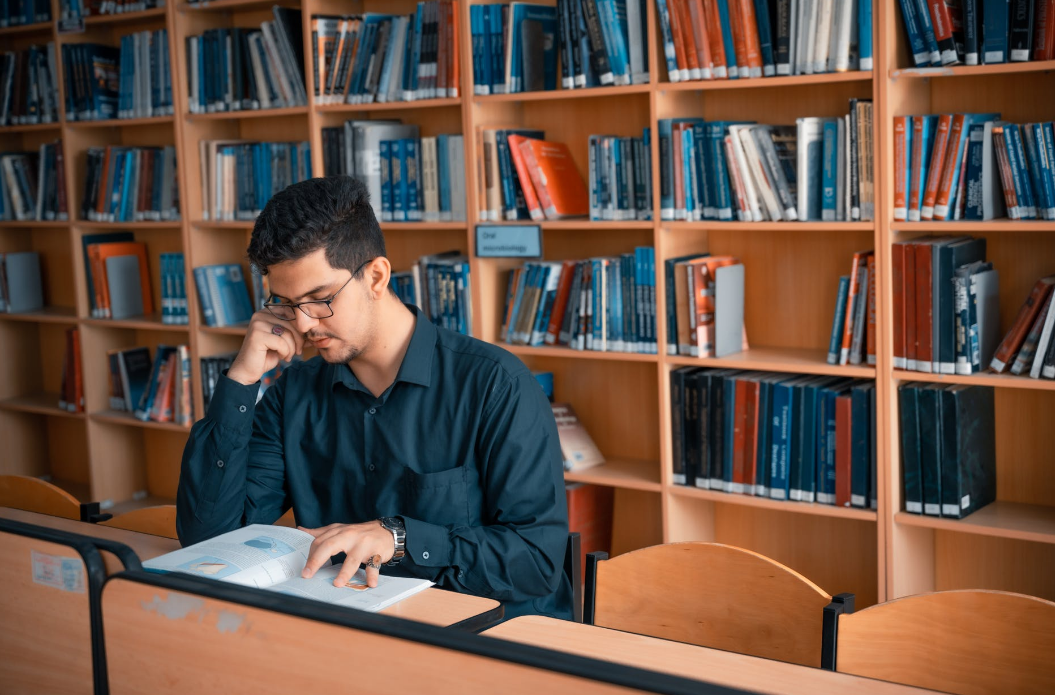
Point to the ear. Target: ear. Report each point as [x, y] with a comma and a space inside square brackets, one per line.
[377, 275]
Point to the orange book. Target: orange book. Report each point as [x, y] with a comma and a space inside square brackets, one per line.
[676, 31]
[97, 284]
[1006, 180]
[924, 306]
[703, 300]
[739, 40]
[1044, 30]
[952, 163]
[443, 35]
[590, 515]
[1027, 314]
[560, 303]
[870, 329]
[161, 410]
[937, 166]
[699, 35]
[531, 199]
[692, 58]
[909, 319]
[101, 204]
[901, 162]
[453, 84]
[843, 449]
[751, 43]
[914, 200]
[751, 435]
[739, 436]
[852, 297]
[123, 248]
[184, 408]
[507, 315]
[714, 39]
[558, 183]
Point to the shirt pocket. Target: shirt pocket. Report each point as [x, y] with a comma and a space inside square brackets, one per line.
[441, 497]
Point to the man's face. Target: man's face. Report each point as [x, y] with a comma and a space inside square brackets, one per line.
[338, 338]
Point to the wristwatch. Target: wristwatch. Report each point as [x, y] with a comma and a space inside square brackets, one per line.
[399, 537]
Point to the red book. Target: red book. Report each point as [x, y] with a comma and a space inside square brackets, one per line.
[752, 46]
[924, 306]
[901, 160]
[937, 166]
[870, 312]
[1006, 177]
[699, 35]
[909, 290]
[942, 22]
[590, 515]
[676, 31]
[560, 303]
[843, 449]
[739, 40]
[739, 436]
[948, 170]
[688, 34]
[915, 175]
[1044, 30]
[530, 198]
[751, 434]
[714, 38]
[1027, 314]
[897, 271]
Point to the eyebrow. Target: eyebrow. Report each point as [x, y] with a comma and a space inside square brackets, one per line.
[316, 290]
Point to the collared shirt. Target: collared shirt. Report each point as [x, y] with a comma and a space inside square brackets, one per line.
[462, 446]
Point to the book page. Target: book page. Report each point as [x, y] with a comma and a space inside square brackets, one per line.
[354, 594]
[257, 555]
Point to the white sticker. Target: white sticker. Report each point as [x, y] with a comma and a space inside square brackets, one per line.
[965, 502]
[63, 573]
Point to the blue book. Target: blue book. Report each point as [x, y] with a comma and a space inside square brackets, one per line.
[234, 305]
[765, 37]
[596, 300]
[995, 28]
[400, 191]
[385, 80]
[975, 140]
[864, 34]
[1042, 168]
[783, 419]
[1047, 142]
[386, 180]
[146, 400]
[927, 30]
[546, 17]
[612, 14]
[835, 341]
[413, 180]
[727, 39]
[930, 127]
[515, 207]
[861, 435]
[443, 166]
[666, 164]
[729, 432]
[721, 193]
[518, 296]
[498, 58]
[826, 441]
[830, 170]
[126, 204]
[804, 455]
[668, 41]
[589, 77]
[1019, 172]
[688, 179]
[476, 20]
[946, 211]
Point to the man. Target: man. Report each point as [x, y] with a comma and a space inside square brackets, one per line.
[401, 443]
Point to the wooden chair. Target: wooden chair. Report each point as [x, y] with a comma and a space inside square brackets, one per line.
[156, 521]
[36, 495]
[573, 570]
[717, 596]
[963, 642]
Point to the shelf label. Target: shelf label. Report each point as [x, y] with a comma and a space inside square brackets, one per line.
[508, 241]
[71, 25]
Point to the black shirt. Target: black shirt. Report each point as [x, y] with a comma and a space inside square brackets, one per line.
[462, 446]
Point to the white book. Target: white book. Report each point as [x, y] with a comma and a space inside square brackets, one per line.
[272, 558]
[822, 31]
[740, 162]
[765, 187]
[1042, 344]
[809, 136]
[843, 28]
[456, 176]
[842, 188]
[430, 179]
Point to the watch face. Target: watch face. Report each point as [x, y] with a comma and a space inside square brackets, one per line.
[393, 522]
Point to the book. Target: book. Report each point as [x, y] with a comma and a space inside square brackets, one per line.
[577, 447]
[272, 558]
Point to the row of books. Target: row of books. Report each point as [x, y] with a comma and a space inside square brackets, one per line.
[853, 336]
[33, 184]
[157, 390]
[362, 59]
[607, 304]
[416, 178]
[75, 9]
[441, 286]
[28, 91]
[948, 448]
[946, 305]
[621, 177]
[517, 46]
[130, 184]
[522, 176]
[705, 305]
[976, 32]
[715, 39]
[117, 275]
[222, 295]
[256, 67]
[1029, 347]
[781, 436]
[103, 82]
[972, 167]
[21, 287]
[212, 369]
[16, 13]
[71, 388]
[238, 177]
[821, 169]
[173, 289]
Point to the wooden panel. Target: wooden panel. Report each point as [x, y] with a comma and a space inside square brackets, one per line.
[117, 457]
[964, 561]
[50, 621]
[1019, 98]
[778, 611]
[25, 444]
[68, 450]
[838, 554]
[164, 451]
[635, 521]
[969, 642]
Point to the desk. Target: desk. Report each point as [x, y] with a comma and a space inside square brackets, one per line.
[432, 606]
[687, 660]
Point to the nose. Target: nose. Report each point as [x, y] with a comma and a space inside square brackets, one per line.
[304, 323]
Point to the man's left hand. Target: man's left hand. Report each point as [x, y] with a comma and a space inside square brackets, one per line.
[368, 543]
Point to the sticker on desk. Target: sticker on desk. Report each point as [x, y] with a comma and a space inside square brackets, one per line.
[63, 573]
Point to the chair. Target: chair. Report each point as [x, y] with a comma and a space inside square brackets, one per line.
[156, 521]
[716, 596]
[963, 642]
[573, 571]
[36, 495]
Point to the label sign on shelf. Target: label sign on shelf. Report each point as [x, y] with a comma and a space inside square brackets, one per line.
[508, 241]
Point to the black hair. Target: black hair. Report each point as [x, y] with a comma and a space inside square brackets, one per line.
[333, 213]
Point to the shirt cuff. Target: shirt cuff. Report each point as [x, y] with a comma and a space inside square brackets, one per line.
[232, 403]
[428, 545]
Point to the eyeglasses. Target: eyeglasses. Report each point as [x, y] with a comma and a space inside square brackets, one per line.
[317, 309]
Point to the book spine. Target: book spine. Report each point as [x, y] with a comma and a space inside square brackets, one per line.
[835, 340]
[1020, 36]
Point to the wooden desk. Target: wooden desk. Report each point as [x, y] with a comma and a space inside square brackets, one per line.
[713, 665]
[432, 606]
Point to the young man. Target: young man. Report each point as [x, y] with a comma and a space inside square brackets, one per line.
[401, 443]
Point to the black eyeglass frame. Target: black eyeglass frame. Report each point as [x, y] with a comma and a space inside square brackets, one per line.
[300, 305]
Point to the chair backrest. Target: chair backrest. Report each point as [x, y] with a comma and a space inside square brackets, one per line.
[573, 571]
[962, 642]
[36, 495]
[156, 521]
[711, 595]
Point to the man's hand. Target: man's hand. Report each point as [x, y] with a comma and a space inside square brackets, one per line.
[367, 543]
[267, 341]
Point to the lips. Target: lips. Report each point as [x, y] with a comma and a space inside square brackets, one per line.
[321, 342]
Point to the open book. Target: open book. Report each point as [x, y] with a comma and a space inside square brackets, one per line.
[272, 558]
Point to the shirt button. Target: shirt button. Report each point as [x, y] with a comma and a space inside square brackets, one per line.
[373, 410]
[241, 408]
[219, 464]
[425, 555]
[370, 467]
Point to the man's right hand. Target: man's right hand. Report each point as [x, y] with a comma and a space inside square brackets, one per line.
[267, 342]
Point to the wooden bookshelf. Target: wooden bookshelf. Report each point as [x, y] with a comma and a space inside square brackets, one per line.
[623, 399]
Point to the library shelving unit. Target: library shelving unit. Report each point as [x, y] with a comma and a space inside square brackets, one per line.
[792, 272]
[1010, 544]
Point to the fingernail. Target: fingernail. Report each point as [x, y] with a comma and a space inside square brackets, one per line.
[306, 574]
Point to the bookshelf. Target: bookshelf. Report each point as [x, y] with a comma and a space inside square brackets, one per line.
[623, 399]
